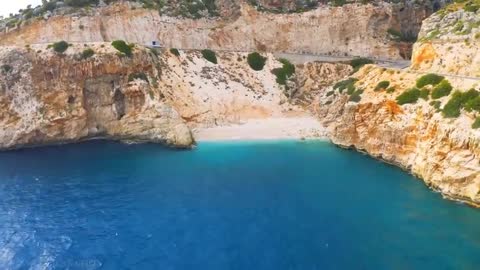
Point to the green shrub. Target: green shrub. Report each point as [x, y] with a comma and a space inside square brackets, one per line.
[6, 69]
[351, 89]
[87, 53]
[472, 7]
[283, 73]
[383, 85]
[476, 123]
[80, 3]
[140, 76]
[435, 104]
[442, 89]
[329, 93]
[356, 96]
[429, 79]
[409, 96]
[256, 61]
[210, 56]
[473, 105]
[175, 52]
[60, 47]
[453, 107]
[345, 84]
[339, 3]
[391, 89]
[424, 94]
[123, 47]
[357, 63]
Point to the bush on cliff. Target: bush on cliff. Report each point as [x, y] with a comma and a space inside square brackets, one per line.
[476, 123]
[81, 3]
[87, 53]
[6, 69]
[473, 105]
[345, 84]
[454, 106]
[409, 96]
[256, 61]
[285, 72]
[356, 96]
[339, 3]
[175, 52]
[391, 89]
[429, 79]
[383, 85]
[442, 89]
[60, 47]
[435, 104]
[210, 56]
[123, 47]
[357, 63]
[424, 94]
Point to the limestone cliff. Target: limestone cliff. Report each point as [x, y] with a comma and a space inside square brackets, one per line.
[155, 95]
[353, 29]
[449, 42]
[416, 136]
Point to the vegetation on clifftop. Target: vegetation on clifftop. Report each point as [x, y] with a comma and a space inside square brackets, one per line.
[383, 85]
[286, 71]
[429, 79]
[358, 63]
[175, 52]
[458, 101]
[60, 47]
[442, 89]
[408, 97]
[256, 61]
[123, 47]
[210, 56]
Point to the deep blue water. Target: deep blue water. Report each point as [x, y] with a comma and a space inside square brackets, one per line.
[274, 205]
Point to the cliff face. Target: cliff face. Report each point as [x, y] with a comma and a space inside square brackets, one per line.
[155, 95]
[48, 98]
[449, 42]
[428, 125]
[348, 30]
[445, 152]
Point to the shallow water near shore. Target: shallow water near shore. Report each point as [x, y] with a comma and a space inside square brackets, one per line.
[225, 205]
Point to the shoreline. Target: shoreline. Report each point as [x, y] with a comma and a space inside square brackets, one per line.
[278, 128]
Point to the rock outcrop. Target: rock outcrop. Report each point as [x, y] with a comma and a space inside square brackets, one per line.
[444, 152]
[48, 98]
[154, 95]
[353, 29]
[449, 42]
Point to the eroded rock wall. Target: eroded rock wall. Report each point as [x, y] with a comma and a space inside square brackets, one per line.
[354, 29]
[444, 152]
[449, 43]
[155, 95]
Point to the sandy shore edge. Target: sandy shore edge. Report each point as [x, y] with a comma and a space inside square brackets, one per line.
[278, 128]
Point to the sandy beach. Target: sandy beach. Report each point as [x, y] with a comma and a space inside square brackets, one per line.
[264, 129]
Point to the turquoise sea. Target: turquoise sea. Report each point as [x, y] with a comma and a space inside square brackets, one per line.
[245, 205]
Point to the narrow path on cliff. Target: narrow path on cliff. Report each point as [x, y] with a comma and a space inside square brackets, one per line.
[298, 58]
[392, 64]
[301, 58]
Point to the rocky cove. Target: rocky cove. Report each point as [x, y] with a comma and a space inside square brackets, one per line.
[165, 95]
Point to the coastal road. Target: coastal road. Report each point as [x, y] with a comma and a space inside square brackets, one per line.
[301, 58]
[298, 58]
[391, 64]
